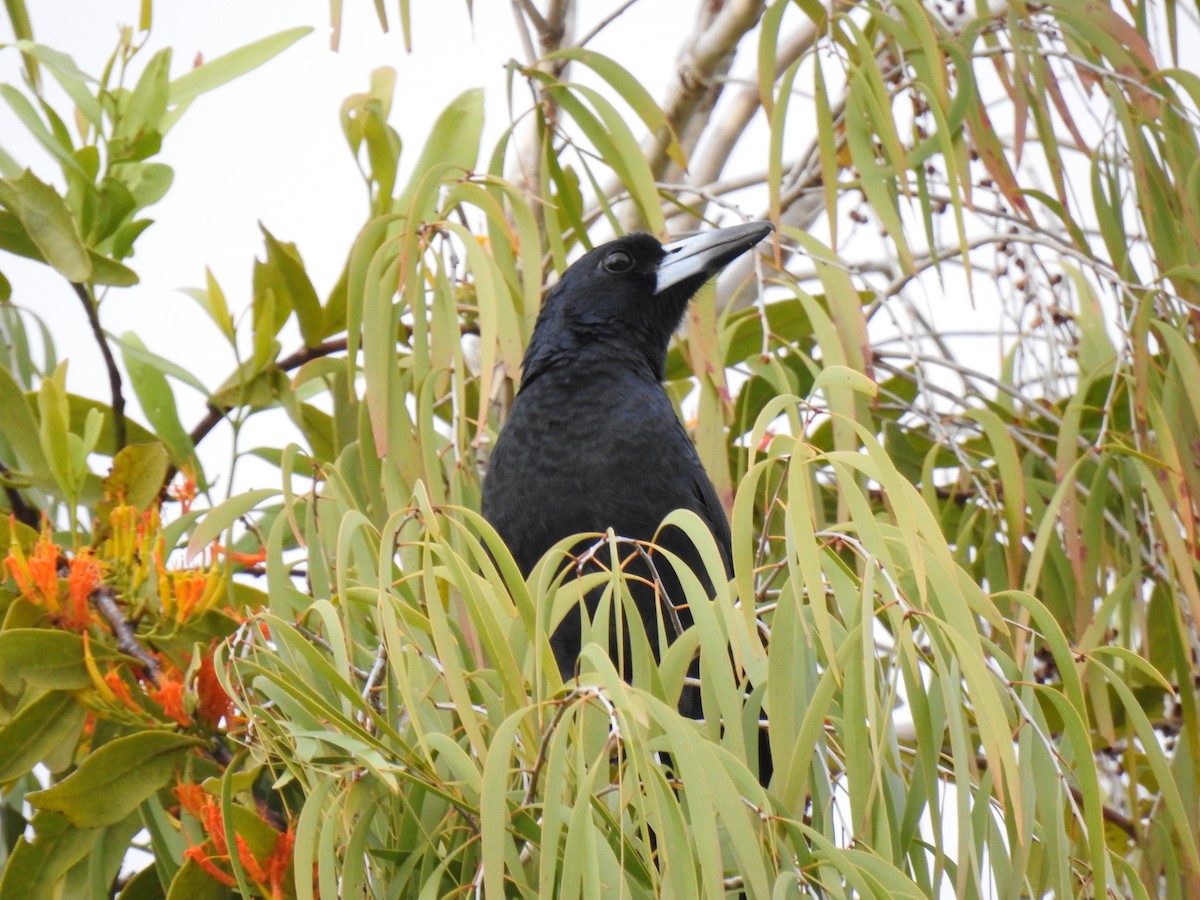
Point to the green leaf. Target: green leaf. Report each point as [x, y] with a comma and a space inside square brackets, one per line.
[55, 434]
[632, 92]
[221, 517]
[193, 883]
[844, 376]
[35, 867]
[44, 726]
[111, 782]
[284, 274]
[212, 298]
[137, 474]
[453, 144]
[19, 428]
[48, 223]
[110, 272]
[48, 658]
[234, 64]
[37, 128]
[15, 239]
[81, 408]
[138, 351]
[114, 203]
[138, 130]
[158, 401]
[68, 75]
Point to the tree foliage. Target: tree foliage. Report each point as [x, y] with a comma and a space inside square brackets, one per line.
[965, 592]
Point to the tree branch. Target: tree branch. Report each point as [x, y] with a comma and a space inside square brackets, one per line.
[216, 414]
[104, 599]
[723, 135]
[605, 22]
[114, 374]
[707, 54]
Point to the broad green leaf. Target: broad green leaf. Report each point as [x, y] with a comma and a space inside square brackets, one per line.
[137, 474]
[44, 726]
[110, 272]
[193, 883]
[138, 128]
[48, 224]
[49, 658]
[35, 867]
[114, 779]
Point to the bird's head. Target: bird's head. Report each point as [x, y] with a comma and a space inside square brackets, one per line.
[624, 299]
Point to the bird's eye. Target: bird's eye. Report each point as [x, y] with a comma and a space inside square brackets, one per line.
[618, 261]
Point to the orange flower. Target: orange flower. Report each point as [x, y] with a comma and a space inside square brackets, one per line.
[215, 704]
[37, 575]
[270, 874]
[187, 592]
[193, 798]
[249, 560]
[183, 489]
[252, 866]
[117, 685]
[206, 863]
[280, 861]
[170, 697]
[83, 579]
[214, 825]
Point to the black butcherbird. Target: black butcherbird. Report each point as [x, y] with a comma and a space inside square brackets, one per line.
[593, 441]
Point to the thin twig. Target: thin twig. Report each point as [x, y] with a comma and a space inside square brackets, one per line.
[373, 677]
[605, 22]
[114, 374]
[104, 599]
[576, 695]
[216, 414]
[1110, 815]
[361, 674]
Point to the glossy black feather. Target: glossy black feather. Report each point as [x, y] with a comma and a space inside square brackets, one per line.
[593, 441]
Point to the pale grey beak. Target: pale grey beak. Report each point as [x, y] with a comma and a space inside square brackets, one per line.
[704, 255]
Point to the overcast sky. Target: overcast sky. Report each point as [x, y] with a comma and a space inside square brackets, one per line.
[267, 147]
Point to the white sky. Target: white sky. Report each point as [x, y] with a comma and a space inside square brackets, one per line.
[267, 147]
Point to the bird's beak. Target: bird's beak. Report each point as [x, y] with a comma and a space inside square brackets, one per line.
[704, 255]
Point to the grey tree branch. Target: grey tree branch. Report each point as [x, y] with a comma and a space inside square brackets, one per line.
[105, 602]
[706, 55]
[723, 134]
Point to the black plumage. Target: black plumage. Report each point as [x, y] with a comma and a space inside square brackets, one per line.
[593, 441]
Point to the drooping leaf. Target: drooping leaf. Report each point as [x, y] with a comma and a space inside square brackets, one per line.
[48, 224]
[114, 779]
